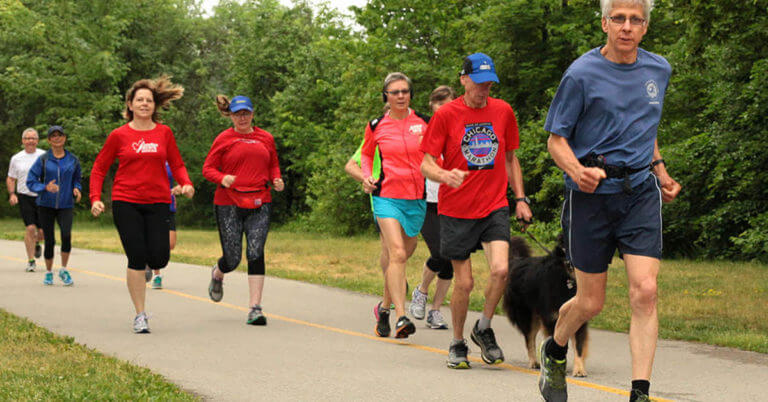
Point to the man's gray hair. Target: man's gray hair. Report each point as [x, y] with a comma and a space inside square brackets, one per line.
[607, 6]
[30, 130]
[396, 76]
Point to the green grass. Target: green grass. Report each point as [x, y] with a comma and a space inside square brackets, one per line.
[715, 302]
[36, 364]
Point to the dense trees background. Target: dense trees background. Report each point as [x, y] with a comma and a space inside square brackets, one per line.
[315, 78]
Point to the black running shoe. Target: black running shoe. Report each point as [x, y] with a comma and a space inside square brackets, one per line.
[490, 350]
[38, 250]
[215, 288]
[404, 327]
[457, 355]
[256, 317]
[382, 321]
[552, 383]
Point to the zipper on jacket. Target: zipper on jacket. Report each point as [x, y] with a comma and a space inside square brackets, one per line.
[58, 180]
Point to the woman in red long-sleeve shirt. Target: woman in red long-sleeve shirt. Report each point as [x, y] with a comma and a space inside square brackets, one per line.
[140, 196]
[243, 162]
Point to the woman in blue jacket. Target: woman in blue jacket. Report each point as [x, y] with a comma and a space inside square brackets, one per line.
[55, 177]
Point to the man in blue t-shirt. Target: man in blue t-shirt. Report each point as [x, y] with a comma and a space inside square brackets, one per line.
[603, 123]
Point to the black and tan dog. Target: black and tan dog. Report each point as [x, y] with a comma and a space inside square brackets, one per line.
[536, 288]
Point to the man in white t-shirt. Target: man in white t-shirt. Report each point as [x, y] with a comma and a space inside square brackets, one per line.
[21, 195]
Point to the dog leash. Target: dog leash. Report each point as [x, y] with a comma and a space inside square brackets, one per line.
[538, 242]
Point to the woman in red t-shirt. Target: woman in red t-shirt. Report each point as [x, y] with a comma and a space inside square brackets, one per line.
[243, 162]
[140, 196]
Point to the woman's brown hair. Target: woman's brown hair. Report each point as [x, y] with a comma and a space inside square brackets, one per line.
[222, 103]
[440, 94]
[163, 92]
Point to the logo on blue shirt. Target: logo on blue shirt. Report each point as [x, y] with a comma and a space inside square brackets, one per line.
[479, 146]
[652, 90]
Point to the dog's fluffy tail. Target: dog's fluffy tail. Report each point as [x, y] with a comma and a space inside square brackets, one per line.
[518, 248]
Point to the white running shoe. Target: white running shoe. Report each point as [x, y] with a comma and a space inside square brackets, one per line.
[418, 304]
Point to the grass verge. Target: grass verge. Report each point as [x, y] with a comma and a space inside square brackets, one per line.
[715, 302]
[36, 364]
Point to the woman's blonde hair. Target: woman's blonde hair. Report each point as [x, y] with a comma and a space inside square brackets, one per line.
[163, 93]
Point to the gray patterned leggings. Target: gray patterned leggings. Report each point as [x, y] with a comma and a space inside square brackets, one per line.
[233, 222]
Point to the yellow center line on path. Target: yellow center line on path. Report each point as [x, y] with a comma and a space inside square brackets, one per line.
[354, 333]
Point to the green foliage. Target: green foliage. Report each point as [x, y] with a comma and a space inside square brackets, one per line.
[316, 81]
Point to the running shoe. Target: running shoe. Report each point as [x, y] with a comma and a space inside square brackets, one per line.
[38, 250]
[216, 287]
[31, 266]
[404, 327]
[147, 274]
[418, 304]
[552, 376]
[48, 278]
[382, 320]
[157, 283]
[66, 277]
[256, 317]
[141, 324]
[640, 397]
[435, 320]
[489, 349]
[457, 355]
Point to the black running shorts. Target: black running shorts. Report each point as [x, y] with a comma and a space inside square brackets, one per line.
[461, 237]
[28, 210]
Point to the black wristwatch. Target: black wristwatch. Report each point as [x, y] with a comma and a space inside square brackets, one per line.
[658, 162]
[523, 199]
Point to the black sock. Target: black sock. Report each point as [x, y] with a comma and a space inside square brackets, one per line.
[641, 386]
[556, 351]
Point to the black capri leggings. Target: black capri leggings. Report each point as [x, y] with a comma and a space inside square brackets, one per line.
[431, 233]
[143, 230]
[233, 222]
[64, 218]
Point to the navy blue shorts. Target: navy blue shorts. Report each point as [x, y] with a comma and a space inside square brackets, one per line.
[595, 225]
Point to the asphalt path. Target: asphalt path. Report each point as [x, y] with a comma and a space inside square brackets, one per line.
[319, 343]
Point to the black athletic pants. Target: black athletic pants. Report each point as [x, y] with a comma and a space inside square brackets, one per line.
[64, 218]
[143, 230]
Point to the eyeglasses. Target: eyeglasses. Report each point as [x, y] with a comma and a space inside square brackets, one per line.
[56, 134]
[29, 138]
[398, 92]
[621, 19]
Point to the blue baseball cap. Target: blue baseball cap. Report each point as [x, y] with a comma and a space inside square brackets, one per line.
[239, 103]
[54, 129]
[480, 68]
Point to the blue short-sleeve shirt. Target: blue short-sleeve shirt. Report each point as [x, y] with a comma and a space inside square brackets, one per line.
[612, 110]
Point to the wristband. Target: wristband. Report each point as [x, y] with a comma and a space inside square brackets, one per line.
[657, 162]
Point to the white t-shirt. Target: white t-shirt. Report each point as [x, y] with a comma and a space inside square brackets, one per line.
[20, 165]
[432, 189]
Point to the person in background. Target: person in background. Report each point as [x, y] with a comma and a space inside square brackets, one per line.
[436, 265]
[19, 194]
[55, 177]
[243, 163]
[140, 196]
[157, 281]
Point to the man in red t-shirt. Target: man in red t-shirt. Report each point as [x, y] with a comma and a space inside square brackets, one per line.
[477, 136]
